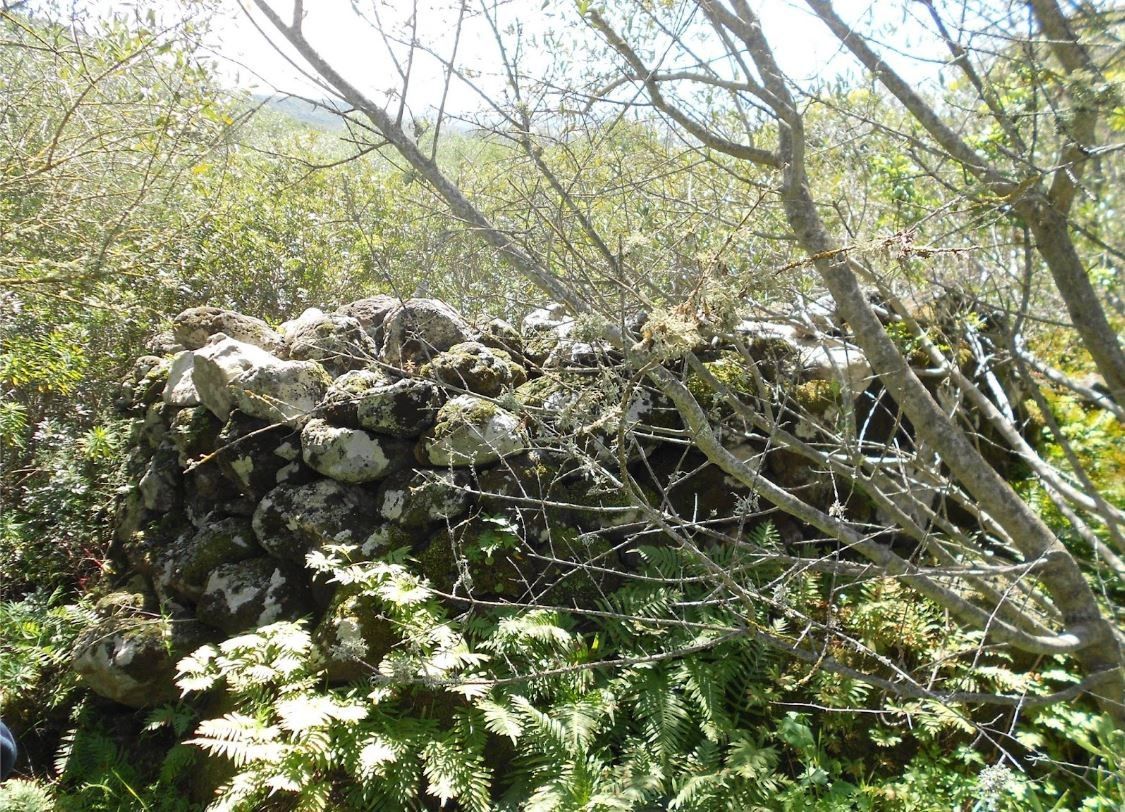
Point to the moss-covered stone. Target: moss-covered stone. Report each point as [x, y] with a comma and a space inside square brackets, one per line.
[181, 569]
[817, 397]
[194, 432]
[470, 432]
[354, 635]
[475, 368]
[130, 655]
[729, 369]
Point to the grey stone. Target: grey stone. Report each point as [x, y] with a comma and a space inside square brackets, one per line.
[218, 363]
[371, 313]
[418, 329]
[282, 392]
[471, 431]
[351, 455]
[194, 327]
[336, 341]
[179, 390]
[292, 520]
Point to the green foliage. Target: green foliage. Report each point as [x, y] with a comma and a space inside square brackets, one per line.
[34, 654]
[18, 795]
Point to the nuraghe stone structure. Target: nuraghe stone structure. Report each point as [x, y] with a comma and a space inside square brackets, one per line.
[391, 424]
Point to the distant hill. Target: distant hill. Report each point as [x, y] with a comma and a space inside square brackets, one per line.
[301, 112]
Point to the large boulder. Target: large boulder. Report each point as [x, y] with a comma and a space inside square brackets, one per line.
[251, 593]
[418, 329]
[282, 392]
[351, 455]
[218, 363]
[338, 342]
[130, 655]
[194, 328]
[421, 498]
[470, 432]
[475, 368]
[292, 520]
[371, 313]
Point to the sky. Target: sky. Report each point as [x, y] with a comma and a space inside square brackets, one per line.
[251, 55]
[804, 48]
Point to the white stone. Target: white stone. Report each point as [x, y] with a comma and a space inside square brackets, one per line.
[347, 455]
[180, 390]
[219, 363]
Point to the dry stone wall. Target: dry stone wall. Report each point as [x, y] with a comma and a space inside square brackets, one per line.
[395, 424]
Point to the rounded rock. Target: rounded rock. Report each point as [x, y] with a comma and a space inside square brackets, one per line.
[351, 455]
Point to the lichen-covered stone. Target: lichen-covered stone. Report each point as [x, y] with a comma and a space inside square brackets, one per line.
[251, 593]
[290, 521]
[194, 431]
[471, 431]
[251, 452]
[130, 656]
[354, 635]
[420, 498]
[182, 568]
[351, 455]
[194, 328]
[418, 329]
[338, 342]
[340, 401]
[475, 368]
[282, 392]
[402, 408]
[371, 313]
